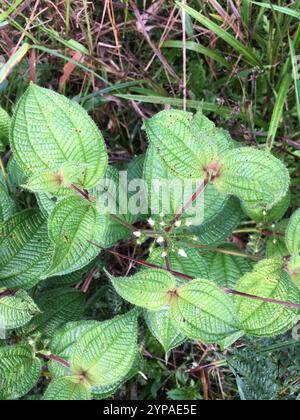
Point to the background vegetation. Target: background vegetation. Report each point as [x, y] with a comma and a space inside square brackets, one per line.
[126, 60]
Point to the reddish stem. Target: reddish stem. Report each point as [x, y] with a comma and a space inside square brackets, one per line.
[55, 359]
[185, 277]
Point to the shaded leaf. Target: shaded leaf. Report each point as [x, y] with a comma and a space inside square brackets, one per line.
[68, 388]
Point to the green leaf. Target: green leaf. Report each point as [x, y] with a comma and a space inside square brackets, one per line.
[72, 224]
[267, 280]
[57, 307]
[48, 130]
[187, 143]
[64, 342]
[16, 175]
[57, 181]
[106, 353]
[285, 10]
[226, 269]
[294, 269]
[292, 236]
[16, 309]
[149, 289]
[68, 388]
[25, 250]
[7, 205]
[203, 312]
[170, 133]
[163, 329]
[255, 176]
[4, 129]
[262, 215]
[19, 371]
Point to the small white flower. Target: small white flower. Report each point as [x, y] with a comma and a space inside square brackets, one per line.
[137, 234]
[164, 254]
[264, 213]
[273, 226]
[182, 253]
[188, 224]
[178, 223]
[274, 241]
[160, 240]
[151, 222]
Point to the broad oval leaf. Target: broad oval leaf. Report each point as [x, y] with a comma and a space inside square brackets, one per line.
[203, 312]
[16, 309]
[19, 371]
[292, 235]
[49, 130]
[25, 250]
[72, 224]
[106, 353]
[261, 215]
[255, 176]
[267, 280]
[149, 289]
[68, 388]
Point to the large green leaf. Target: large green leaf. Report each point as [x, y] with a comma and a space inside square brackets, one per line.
[72, 224]
[16, 309]
[187, 143]
[57, 307]
[267, 280]
[292, 235]
[255, 176]
[25, 250]
[226, 269]
[105, 354]
[68, 388]
[4, 129]
[7, 205]
[203, 312]
[149, 289]
[19, 371]
[48, 131]
[163, 329]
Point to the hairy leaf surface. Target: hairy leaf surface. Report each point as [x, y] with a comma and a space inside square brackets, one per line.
[48, 130]
[292, 236]
[68, 388]
[16, 309]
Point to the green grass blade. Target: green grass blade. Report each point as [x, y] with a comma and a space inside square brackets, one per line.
[247, 53]
[6, 13]
[285, 10]
[194, 46]
[296, 76]
[13, 61]
[278, 110]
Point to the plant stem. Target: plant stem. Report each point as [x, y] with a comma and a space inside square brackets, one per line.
[54, 358]
[190, 202]
[185, 277]
[68, 12]
[221, 250]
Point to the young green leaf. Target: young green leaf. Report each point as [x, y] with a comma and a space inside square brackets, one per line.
[269, 281]
[163, 329]
[105, 354]
[25, 250]
[249, 174]
[202, 311]
[292, 235]
[294, 269]
[48, 131]
[149, 289]
[16, 309]
[19, 371]
[72, 224]
[68, 388]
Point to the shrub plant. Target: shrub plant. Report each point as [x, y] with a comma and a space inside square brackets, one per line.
[193, 283]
